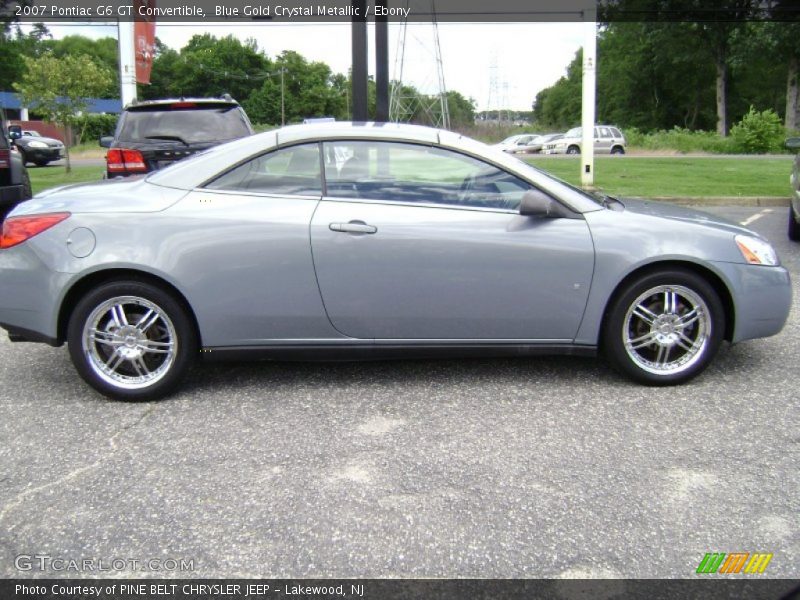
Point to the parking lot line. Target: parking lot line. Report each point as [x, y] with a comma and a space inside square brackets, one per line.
[756, 217]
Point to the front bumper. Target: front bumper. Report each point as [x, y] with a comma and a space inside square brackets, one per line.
[762, 298]
[44, 154]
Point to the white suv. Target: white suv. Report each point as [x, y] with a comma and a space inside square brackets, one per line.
[607, 140]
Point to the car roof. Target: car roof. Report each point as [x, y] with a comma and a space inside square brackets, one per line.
[167, 101]
[359, 130]
[193, 172]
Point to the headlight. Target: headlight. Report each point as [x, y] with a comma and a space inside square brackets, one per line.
[756, 251]
[37, 145]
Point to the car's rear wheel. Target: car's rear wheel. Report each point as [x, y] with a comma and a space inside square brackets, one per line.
[664, 328]
[794, 226]
[27, 191]
[131, 340]
[573, 150]
[617, 150]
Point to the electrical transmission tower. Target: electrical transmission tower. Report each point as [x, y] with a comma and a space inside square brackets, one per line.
[418, 63]
[498, 92]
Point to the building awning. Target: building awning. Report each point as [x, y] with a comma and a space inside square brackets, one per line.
[10, 100]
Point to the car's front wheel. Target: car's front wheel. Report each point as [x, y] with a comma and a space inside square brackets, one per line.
[573, 150]
[131, 340]
[664, 328]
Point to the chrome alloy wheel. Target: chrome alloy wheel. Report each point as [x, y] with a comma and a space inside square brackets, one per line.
[666, 329]
[129, 342]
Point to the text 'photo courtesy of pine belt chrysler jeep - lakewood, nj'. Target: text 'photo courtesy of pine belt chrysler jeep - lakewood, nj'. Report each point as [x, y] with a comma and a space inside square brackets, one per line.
[363, 241]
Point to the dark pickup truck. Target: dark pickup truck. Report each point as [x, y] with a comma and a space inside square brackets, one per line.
[15, 186]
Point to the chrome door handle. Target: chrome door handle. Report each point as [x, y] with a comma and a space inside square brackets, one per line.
[353, 227]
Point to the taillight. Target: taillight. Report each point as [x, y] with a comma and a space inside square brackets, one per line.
[18, 229]
[5, 157]
[119, 160]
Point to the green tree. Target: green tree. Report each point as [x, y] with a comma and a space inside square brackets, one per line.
[560, 105]
[296, 89]
[208, 66]
[103, 51]
[15, 46]
[461, 109]
[59, 87]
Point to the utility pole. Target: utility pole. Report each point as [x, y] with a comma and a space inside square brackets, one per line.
[359, 50]
[588, 103]
[381, 69]
[127, 62]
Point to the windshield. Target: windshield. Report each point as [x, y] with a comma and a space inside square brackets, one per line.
[511, 139]
[184, 126]
[29, 133]
[574, 132]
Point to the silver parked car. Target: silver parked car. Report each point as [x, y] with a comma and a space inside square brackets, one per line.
[794, 181]
[607, 140]
[341, 239]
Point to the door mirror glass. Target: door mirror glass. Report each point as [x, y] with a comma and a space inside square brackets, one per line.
[793, 143]
[14, 132]
[106, 141]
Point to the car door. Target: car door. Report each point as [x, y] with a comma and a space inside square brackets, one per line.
[603, 140]
[257, 285]
[413, 242]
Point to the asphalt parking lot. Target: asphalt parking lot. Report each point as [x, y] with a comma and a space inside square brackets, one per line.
[506, 468]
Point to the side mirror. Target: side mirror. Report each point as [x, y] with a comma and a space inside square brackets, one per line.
[14, 132]
[106, 141]
[793, 143]
[538, 204]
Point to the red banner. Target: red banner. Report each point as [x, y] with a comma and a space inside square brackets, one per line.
[144, 39]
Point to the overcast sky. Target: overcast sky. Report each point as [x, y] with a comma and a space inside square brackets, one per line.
[521, 58]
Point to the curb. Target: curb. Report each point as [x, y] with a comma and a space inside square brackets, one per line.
[722, 200]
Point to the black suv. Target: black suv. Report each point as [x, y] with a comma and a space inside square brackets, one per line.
[153, 134]
[15, 185]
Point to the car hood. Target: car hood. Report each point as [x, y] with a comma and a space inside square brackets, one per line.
[107, 196]
[674, 212]
[49, 141]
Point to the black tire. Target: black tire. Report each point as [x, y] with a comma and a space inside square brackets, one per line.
[139, 362]
[42, 163]
[662, 350]
[573, 150]
[794, 226]
[27, 191]
[617, 150]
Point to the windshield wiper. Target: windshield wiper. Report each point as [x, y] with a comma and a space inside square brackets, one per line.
[169, 138]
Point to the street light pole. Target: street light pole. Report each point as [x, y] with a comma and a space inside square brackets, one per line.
[283, 105]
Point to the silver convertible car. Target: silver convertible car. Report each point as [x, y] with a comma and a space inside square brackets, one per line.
[370, 241]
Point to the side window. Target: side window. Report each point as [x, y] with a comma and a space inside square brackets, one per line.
[401, 172]
[604, 132]
[294, 171]
[615, 132]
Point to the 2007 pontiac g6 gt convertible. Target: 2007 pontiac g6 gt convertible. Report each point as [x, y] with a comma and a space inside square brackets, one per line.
[366, 240]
